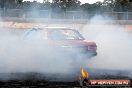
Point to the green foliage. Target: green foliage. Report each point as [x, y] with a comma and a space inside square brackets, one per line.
[71, 5]
[10, 3]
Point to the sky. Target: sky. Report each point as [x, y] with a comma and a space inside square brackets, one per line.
[82, 1]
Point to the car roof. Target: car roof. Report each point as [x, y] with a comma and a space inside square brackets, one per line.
[53, 28]
[56, 28]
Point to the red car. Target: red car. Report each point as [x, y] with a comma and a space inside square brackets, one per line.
[67, 39]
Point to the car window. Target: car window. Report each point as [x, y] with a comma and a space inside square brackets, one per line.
[37, 34]
[65, 35]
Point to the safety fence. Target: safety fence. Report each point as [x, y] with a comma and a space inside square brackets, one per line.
[73, 15]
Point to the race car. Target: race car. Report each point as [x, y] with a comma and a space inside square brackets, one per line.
[66, 39]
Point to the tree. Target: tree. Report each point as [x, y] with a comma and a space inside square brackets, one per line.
[10, 3]
[108, 5]
[92, 8]
[121, 5]
[66, 4]
[45, 5]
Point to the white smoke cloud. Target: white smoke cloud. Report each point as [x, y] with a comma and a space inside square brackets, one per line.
[114, 44]
[114, 50]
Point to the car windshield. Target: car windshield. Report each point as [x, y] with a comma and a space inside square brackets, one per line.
[36, 34]
[56, 34]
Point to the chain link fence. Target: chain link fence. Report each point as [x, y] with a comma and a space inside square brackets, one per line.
[72, 15]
